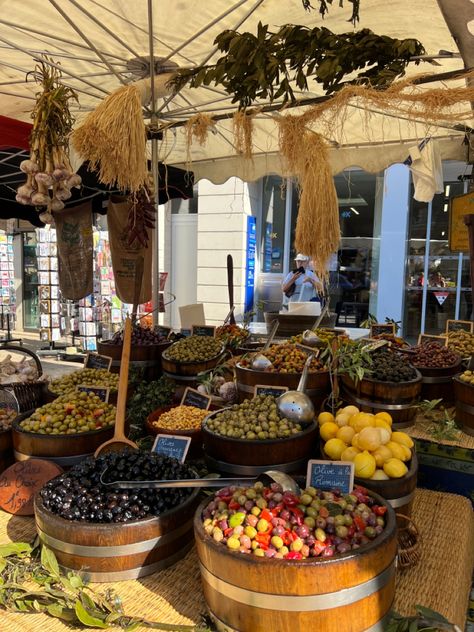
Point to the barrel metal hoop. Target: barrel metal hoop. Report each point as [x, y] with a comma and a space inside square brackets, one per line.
[59, 460]
[113, 550]
[379, 406]
[311, 392]
[182, 378]
[297, 603]
[402, 500]
[447, 379]
[254, 470]
[137, 363]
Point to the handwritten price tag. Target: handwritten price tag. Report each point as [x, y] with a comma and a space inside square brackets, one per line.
[20, 482]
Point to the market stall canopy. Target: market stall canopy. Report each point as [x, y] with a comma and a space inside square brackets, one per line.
[101, 45]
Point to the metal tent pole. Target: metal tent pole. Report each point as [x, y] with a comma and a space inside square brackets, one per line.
[155, 242]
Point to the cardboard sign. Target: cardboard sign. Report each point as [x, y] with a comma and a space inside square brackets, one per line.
[101, 391]
[424, 339]
[457, 325]
[174, 446]
[96, 361]
[203, 330]
[192, 397]
[20, 482]
[329, 475]
[163, 331]
[458, 233]
[263, 389]
[382, 328]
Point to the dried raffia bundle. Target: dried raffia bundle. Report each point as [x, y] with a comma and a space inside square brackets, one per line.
[243, 131]
[113, 139]
[197, 128]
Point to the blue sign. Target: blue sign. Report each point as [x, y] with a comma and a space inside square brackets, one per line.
[173, 446]
[268, 248]
[250, 262]
[331, 475]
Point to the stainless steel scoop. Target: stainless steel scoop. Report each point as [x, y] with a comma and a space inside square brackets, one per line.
[260, 362]
[310, 339]
[296, 405]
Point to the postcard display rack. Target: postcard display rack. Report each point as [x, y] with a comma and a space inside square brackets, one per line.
[7, 292]
[52, 322]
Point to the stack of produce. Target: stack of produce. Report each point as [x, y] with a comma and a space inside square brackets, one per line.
[268, 522]
[253, 420]
[87, 377]
[467, 377]
[286, 358]
[194, 349]
[12, 372]
[72, 413]
[434, 355]
[7, 415]
[79, 495]
[368, 441]
[140, 336]
[387, 366]
[462, 342]
[232, 335]
[181, 418]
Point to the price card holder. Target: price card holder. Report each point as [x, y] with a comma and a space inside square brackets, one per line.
[263, 389]
[460, 325]
[163, 331]
[424, 339]
[97, 361]
[328, 475]
[309, 350]
[373, 345]
[382, 328]
[185, 332]
[101, 391]
[174, 446]
[192, 397]
[204, 330]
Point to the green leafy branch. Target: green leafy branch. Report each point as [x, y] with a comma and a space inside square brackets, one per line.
[445, 429]
[425, 620]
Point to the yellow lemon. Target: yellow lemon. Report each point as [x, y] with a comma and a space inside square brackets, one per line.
[346, 433]
[394, 468]
[362, 420]
[403, 438]
[350, 410]
[369, 439]
[334, 448]
[328, 430]
[350, 453]
[385, 416]
[381, 423]
[406, 451]
[355, 441]
[342, 419]
[396, 450]
[325, 417]
[364, 465]
[385, 435]
[379, 475]
[381, 455]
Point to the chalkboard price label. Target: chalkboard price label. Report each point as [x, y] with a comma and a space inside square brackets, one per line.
[460, 325]
[21, 481]
[264, 389]
[97, 361]
[330, 475]
[424, 339]
[101, 391]
[186, 332]
[382, 328]
[163, 331]
[204, 330]
[192, 397]
[173, 446]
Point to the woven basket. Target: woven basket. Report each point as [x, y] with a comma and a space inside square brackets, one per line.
[409, 542]
[29, 395]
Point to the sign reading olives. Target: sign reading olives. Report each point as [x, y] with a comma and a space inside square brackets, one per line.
[263, 389]
[204, 330]
[102, 392]
[331, 475]
[192, 397]
[173, 446]
[96, 361]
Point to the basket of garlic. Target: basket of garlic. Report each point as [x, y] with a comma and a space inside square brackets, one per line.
[23, 376]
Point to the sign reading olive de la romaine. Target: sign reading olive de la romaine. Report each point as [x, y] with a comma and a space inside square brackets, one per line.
[263, 389]
[330, 475]
[193, 397]
[97, 361]
[173, 446]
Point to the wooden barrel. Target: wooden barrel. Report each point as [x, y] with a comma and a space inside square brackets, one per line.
[464, 402]
[249, 458]
[318, 385]
[118, 551]
[437, 382]
[146, 358]
[186, 373]
[6, 450]
[352, 592]
[399, 399]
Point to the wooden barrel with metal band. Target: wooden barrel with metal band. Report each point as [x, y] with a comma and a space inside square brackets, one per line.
[464, 402]
[437, 382]
[118, 551]
[399, 399]
[353, 591]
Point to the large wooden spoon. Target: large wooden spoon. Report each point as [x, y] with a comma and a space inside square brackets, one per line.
[119, 441]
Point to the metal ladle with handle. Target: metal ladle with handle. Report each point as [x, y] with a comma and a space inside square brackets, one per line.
[260, 362]
[310, 338]
[296, 405]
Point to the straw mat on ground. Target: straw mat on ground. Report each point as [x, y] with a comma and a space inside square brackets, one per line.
[420, 431]
[441, 581]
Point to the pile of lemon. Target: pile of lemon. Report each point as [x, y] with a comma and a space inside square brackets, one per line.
[368, 441]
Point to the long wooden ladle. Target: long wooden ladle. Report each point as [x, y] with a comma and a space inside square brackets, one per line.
[119, 441]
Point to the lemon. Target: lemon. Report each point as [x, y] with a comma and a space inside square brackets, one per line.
[381, 455]
[406, 452]
[346, 433]
[328, 430]
[350, 410]
[369, 439]
[403, 438]
[394, 468]
[334, 448]
[324, 418]
[385, 416]
[362, 420]
[381, 423]
[350, 453]
[364, 465]
[379, 475]
[385, 435]
[342, 419]
[355, 441]
[396, 450]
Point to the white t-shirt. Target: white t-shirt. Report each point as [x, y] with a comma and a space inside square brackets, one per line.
[304, 291]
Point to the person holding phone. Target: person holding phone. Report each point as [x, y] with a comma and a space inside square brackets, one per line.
[301, 284]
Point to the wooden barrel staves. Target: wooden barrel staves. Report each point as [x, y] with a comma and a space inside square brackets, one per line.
[186, 373]
[399, 399]
[146, 358]
[464, 402]
[437, 382]
[118, 551]
[353, 591]
[6, 450]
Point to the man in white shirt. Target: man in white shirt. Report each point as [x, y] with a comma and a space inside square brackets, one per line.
[301, 285]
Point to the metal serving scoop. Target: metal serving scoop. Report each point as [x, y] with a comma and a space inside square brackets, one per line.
[212, 480]
[310, 339]
[260, 362]
[296, 405]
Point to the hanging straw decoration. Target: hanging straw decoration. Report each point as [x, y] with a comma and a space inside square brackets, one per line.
[113, 139]
[242, 124]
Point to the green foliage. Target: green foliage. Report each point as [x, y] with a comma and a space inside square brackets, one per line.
[445, 429]
[352, 359]
[148, 396]
[324, 8]
[425, 620]
[267, 65]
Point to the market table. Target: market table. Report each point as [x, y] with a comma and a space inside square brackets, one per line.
[440, 581]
